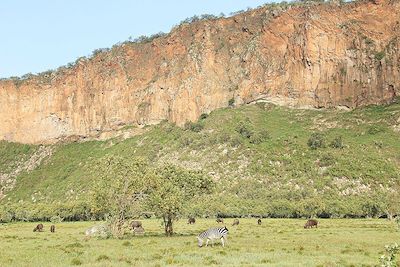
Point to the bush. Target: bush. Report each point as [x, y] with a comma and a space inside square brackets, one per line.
[186, 141]
[231, 102]
[194, 126]
[56, 219]
[389, 259]
[259, 137]
[316, 140]
[103, 258]
[5, 216]
[99, 51]
[379, 55]
[244, 129]
[234, 141]
[327, 160]
[337, 142]
[203, 116]
[375, 129]
[76, 262]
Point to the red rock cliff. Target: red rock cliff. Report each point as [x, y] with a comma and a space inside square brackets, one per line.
[317, 56]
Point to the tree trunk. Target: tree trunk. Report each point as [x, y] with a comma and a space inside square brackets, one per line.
[390, 216]
[168, 225]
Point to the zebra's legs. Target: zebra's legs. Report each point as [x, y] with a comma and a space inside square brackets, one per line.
[207, 242]
[223, 241]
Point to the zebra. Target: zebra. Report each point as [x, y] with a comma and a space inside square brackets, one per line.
[211, 234]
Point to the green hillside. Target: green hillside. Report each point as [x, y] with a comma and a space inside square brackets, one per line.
[267, 160]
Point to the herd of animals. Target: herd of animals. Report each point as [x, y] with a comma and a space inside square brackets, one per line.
[217, 233]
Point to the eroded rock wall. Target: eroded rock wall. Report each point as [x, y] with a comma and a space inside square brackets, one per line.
[306, 56]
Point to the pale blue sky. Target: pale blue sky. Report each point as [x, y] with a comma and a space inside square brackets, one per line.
[37, 35]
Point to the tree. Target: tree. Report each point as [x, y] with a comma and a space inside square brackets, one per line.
[120, 190]
[174, 188]
[126, 185]
[391, 200]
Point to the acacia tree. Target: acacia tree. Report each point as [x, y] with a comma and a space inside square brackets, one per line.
[173, 189]
[120, 189]
[392, 201]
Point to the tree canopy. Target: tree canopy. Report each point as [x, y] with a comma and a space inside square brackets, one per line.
[128, 186]
[174, 188]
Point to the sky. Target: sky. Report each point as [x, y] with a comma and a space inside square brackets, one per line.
[38, 35]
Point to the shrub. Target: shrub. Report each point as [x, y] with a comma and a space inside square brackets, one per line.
[244, 129]
[194, 126]
[326, 160]
[337, 142]
[56, 219]
[102, 258]
[76, 262]
[186, 141]
[379, 55]
[231, 102]
[203, 116]
[127, 244]
[235, 141]
[375, 129]
[316, 140]
[99, 51]
[389, 259]
[142, 39]
[5, 216]
[208, 16]
[259, 137]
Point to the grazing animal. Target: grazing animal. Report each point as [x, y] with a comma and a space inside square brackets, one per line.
[52, 228]
[259, 221]
[220, 220]
[212, 234]
[38, 228]
[191, 220]
[311, 223]
[139, 230]
[136, 224]
[235, 222]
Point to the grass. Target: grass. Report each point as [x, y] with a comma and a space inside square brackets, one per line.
[277, 242]
[12, 153]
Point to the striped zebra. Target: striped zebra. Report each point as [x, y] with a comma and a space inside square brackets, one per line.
[211, 234]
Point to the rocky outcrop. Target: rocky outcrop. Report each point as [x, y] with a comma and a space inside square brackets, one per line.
[8, 180]
[322, 55]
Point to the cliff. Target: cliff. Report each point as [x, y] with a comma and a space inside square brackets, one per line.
[323, 55]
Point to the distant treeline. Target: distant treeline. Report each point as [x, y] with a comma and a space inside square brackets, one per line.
[228, 207]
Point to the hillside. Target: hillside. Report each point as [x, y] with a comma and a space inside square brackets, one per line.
[302, 55]
[259, 155]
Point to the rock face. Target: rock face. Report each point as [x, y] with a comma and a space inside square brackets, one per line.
[323, 55]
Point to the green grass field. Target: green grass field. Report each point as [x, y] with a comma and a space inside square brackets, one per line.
[277, 242]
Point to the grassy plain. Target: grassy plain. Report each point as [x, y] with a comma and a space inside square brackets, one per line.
[277, 242]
